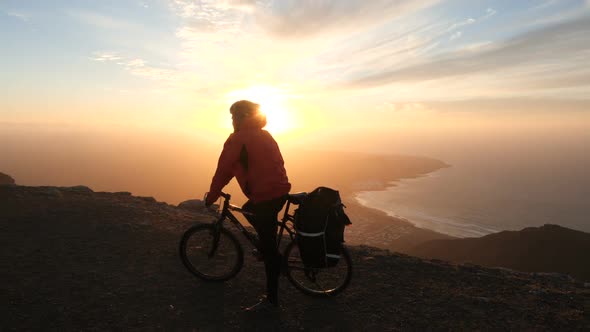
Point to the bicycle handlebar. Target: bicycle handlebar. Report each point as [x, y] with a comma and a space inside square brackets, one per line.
[227, 206]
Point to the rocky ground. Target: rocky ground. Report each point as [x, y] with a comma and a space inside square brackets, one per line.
[73, 259]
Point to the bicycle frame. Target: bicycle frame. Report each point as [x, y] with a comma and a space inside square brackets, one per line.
[226, 213]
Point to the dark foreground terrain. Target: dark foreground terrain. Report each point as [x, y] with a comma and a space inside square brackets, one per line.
[73, 259]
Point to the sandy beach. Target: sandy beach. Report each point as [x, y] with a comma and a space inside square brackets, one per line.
[375, 228]
[366, 172]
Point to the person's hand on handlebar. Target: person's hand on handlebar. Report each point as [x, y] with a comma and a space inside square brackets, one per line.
[209, 204]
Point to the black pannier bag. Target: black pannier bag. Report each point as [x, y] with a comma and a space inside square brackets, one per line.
[320, 222]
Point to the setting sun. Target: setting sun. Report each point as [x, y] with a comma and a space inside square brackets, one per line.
[273, 102]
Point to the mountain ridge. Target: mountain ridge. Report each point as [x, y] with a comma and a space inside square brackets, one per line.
[548, 248]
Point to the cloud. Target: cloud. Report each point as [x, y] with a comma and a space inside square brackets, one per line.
[557, 80]
[138, 67]
[105, 56]
[408, 45]
[564, 43]
[292, 18]
[23, 17]
[136, 63]
[489, 13]
[456, 35]
[387, 112]
[208, 16]
[297, 18]
[412, 108]
[101, 21]
[458, 25]
[546, 4]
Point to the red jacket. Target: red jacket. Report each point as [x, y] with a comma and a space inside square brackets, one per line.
[251, 155]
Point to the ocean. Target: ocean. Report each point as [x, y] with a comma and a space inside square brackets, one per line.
[493, 189]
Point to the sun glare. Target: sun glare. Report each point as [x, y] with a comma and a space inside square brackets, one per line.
[273, 103]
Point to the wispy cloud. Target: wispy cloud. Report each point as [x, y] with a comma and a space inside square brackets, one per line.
[454, 28]
[456, 35]
[566, 43]
[138, 67]
[101, 21]
[410, 109]
[412, 45]
[489, 13]
[309, 17]
[105, 56]
[210, 16]
[547, 4]
[293, 18]
[461, 24]
[23, 17]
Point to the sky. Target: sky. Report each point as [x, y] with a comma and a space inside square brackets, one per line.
[342, 65]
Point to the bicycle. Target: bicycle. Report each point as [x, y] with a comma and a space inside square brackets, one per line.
[212, 253]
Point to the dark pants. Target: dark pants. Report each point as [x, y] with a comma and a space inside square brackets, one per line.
[265, 224]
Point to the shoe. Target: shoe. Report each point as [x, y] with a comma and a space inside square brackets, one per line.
[263, 305]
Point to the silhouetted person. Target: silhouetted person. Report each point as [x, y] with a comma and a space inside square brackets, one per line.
[252, 155]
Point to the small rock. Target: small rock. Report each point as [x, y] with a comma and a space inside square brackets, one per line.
[147, 199]
[483, 299]
[50, 191]
[193, 205]
[78, 189]
[555, 275]
[123, 193]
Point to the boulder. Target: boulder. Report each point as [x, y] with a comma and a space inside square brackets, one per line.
[193, 205]
[49, 191]
[6, 180]
[77, 189]
[148, 199]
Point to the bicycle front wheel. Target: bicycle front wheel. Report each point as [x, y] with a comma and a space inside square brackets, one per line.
[323, 282]
[207, 258]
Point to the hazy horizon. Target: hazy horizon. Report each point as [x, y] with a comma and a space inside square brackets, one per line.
[142, 161]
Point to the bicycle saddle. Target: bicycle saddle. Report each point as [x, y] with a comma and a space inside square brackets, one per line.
[297, 198]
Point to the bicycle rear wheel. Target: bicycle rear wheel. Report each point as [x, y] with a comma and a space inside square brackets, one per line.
[322, 282]
[207, 261]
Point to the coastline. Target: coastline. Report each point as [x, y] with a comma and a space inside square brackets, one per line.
[374, 227]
